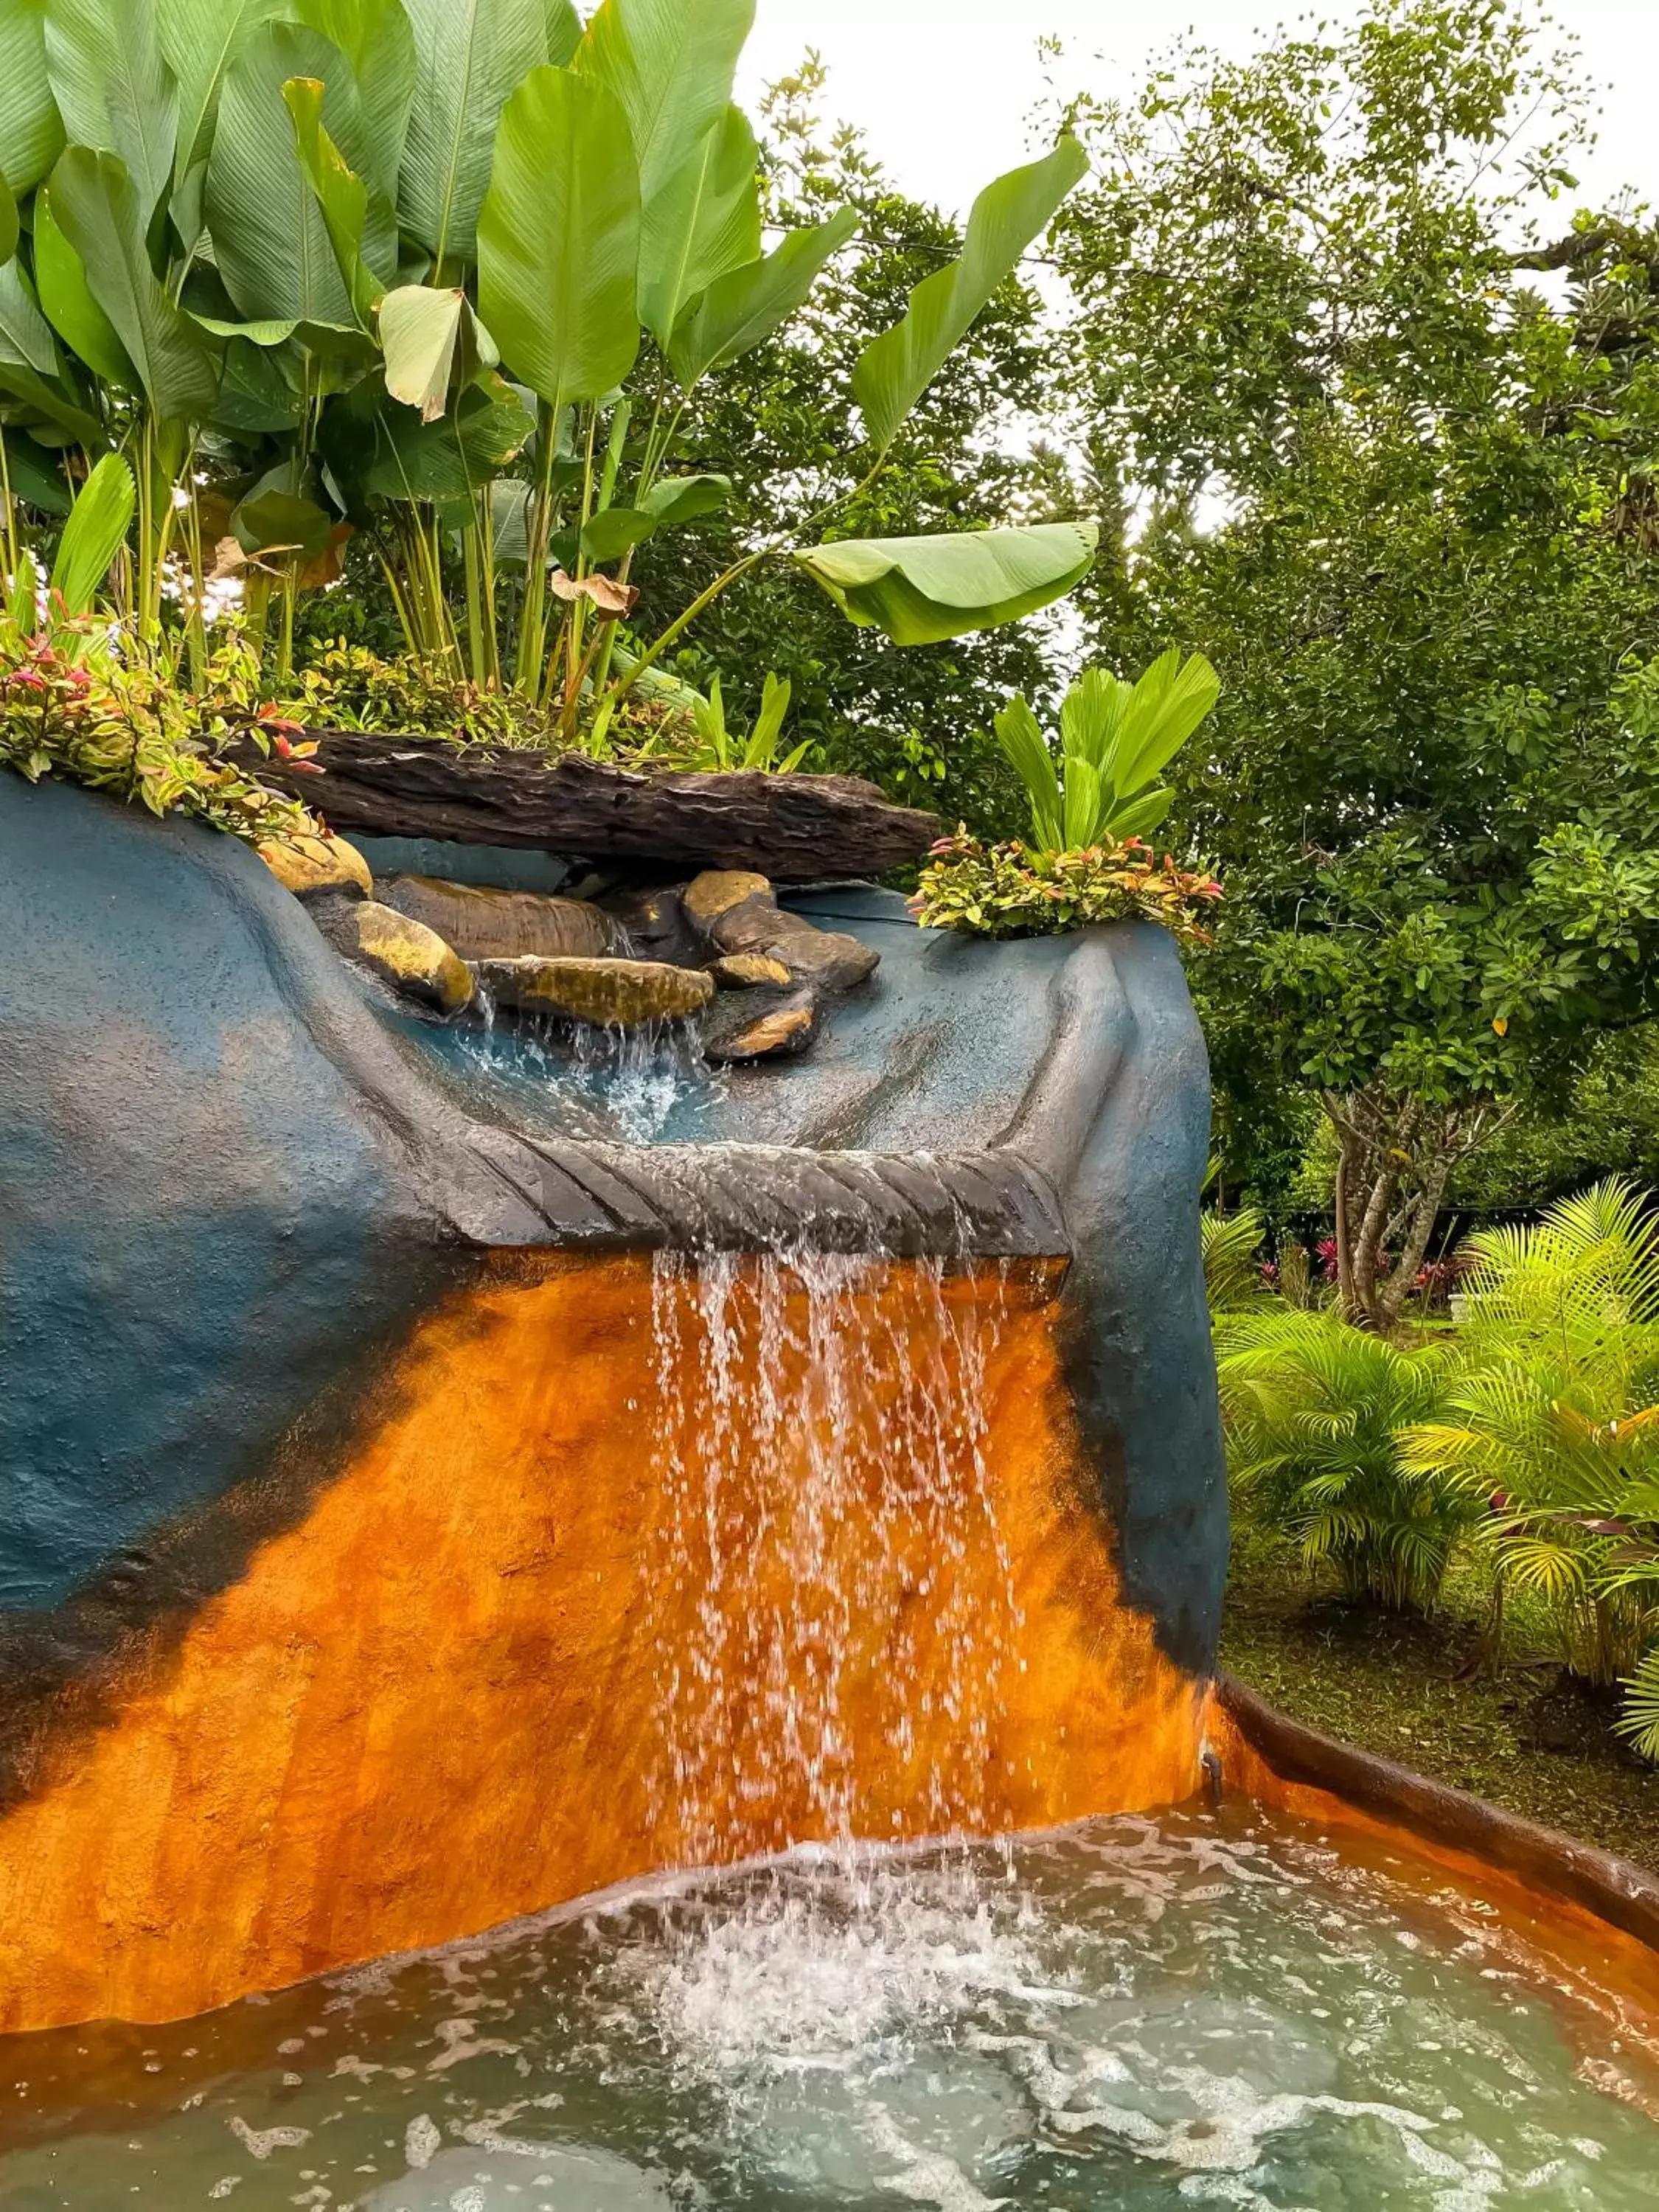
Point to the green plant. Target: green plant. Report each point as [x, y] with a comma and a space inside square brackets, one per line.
[1116, 740]
[719, 748]
[1007, 890]
[1313, 1409]
[1231, 1247]
[1552, 1426]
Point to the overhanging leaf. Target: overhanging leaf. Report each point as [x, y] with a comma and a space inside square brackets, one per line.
[670, 65]
[703, 221]
[375, 37]
[199, 39]
[469, 54]
[615, 531]
[113, 89]
[743, 308]
[894, 370]
[93, 536]
[95, 206]
[30, 130]
[920, 590]
[34, 474]
[681, 499]
[558, 238]
[340, 194]
[67, 302]
[421, 330]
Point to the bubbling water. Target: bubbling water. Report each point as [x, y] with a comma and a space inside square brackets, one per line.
[830, 1554]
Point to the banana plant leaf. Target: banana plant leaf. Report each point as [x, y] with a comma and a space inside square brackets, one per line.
[114, 90]
[67, 302]
[29, 363]
[276, 516]
[446, 461]
[919, 591]
[257, 396]
[703, 223]
[97, 208]
[743, 308]
[379, 46]
[199, 40]
[426, 335]
[670, 64]
[469, 55]
[10, 228]
[95, 534]
[559, 239]
[612, 532]
[342, 195]
[34, 474]
[894, 370]
[31, 129]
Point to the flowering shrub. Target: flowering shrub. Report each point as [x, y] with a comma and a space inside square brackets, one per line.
[1008, 891]
[79, 710]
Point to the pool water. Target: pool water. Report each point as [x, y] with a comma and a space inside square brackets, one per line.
[1195, 2009]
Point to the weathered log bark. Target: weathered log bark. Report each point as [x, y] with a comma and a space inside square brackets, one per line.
[794, 828]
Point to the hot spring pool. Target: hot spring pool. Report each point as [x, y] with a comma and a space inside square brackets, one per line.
[1195, 2009]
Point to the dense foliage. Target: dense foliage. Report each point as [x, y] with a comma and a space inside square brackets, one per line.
[1008, 890]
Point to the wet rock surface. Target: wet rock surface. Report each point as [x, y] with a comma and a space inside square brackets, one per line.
[741, 971]
[311, 866]
[609, 993]
[739, 915]
[494, 925]
[760, 1024]
[414, 960]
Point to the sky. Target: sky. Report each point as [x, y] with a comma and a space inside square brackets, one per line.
[945, 88]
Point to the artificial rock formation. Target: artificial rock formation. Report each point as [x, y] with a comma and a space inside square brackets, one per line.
[333, 1579]
[491, 925]
[762, 1024]
[738, 915]
[609, 993]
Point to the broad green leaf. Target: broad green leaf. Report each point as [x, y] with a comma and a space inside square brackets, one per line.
[670, 64]
[114, 90]
[615, 531]
[681, 499]
[271, 331]
[269, 238]
[742, 309]
[1022, 740]
[894, 370]
[1138, 815]
[273, 518]
[921, 590]
[10, 229]
[67, 302]
[199, 40]
[31, 129]
[469, 55]
[564, 33]
[449, 459]
[95, 534]
[34, 474]
[340, 194]
[558, 238]
[1166, 706]
[29, 359]
[256, 397]
[1090, 716]
[96, 207]
[1080, 809]
[704, 221]
[421, 333]
[375, 37]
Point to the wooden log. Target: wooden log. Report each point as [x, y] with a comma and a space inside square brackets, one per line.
[794, 828]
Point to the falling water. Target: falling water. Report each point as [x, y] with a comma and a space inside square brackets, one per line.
[623, 1085]
[833, 1573]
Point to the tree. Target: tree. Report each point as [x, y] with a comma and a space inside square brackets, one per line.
[1433, 787]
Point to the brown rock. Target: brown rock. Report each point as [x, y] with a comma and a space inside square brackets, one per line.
[830, 959]
[656, 926]
[310, 865]
[748, 926]
[611, 994]
[761, 1025]
[492, 925]
[742, 971]
[712, 893]
[412, 958]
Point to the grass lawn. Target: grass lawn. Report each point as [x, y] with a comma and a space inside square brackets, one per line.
[1517, 1735]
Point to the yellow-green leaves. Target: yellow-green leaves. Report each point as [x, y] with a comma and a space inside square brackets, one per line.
[469, 55]
[921, 590]
[894, 370]
[95, 534]
[559, 239]
[743, 308]
[426, 335]
[670, 65]
[31, 131]
[340, 195]
[704, 221]
[114, 91]
[199, 40]
[67, 302]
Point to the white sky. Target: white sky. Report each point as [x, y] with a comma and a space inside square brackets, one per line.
[945, 88]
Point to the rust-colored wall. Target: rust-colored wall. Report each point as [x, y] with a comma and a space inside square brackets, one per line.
[432, 1705]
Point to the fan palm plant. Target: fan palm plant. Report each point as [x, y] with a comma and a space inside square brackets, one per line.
[1231, 1247]
[1313, 1409]
[1551, 1424]
[1116, 740]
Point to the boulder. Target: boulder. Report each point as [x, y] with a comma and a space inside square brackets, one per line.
[828, 959]
[741, 971]
[484, 924]
[761, 1025]
[609, 993]
[715, 892]
[403, 952]
[656, 926]
[311, 866]
[741, 918]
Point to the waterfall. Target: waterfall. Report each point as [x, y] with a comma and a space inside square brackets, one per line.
[833, 1582]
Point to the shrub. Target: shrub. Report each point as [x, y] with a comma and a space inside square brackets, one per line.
[1313, 1409]
[1008, 891]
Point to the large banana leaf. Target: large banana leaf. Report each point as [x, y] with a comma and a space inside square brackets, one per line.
[470, 54]
[921, 590]
[199, 40]
[67, 302]
[114, 90]
[379, 46]
[99, 210]
[93, 535]
[894, 370]
[670, 64]
[704, 221]
[742, 309]
[614, 530]
[258, 395]
[342, 195]
[431, 338]
[564, 33]
[31, 131]
[559, 237]
[378, 449]
[269, 237]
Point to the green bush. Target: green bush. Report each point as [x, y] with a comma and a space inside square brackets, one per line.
[1008, 891]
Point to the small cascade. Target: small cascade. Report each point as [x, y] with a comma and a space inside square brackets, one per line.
[623, 1085]
[836, 1595]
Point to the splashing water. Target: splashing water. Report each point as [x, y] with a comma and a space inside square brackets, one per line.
[626, 1085]
[831, 1543]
